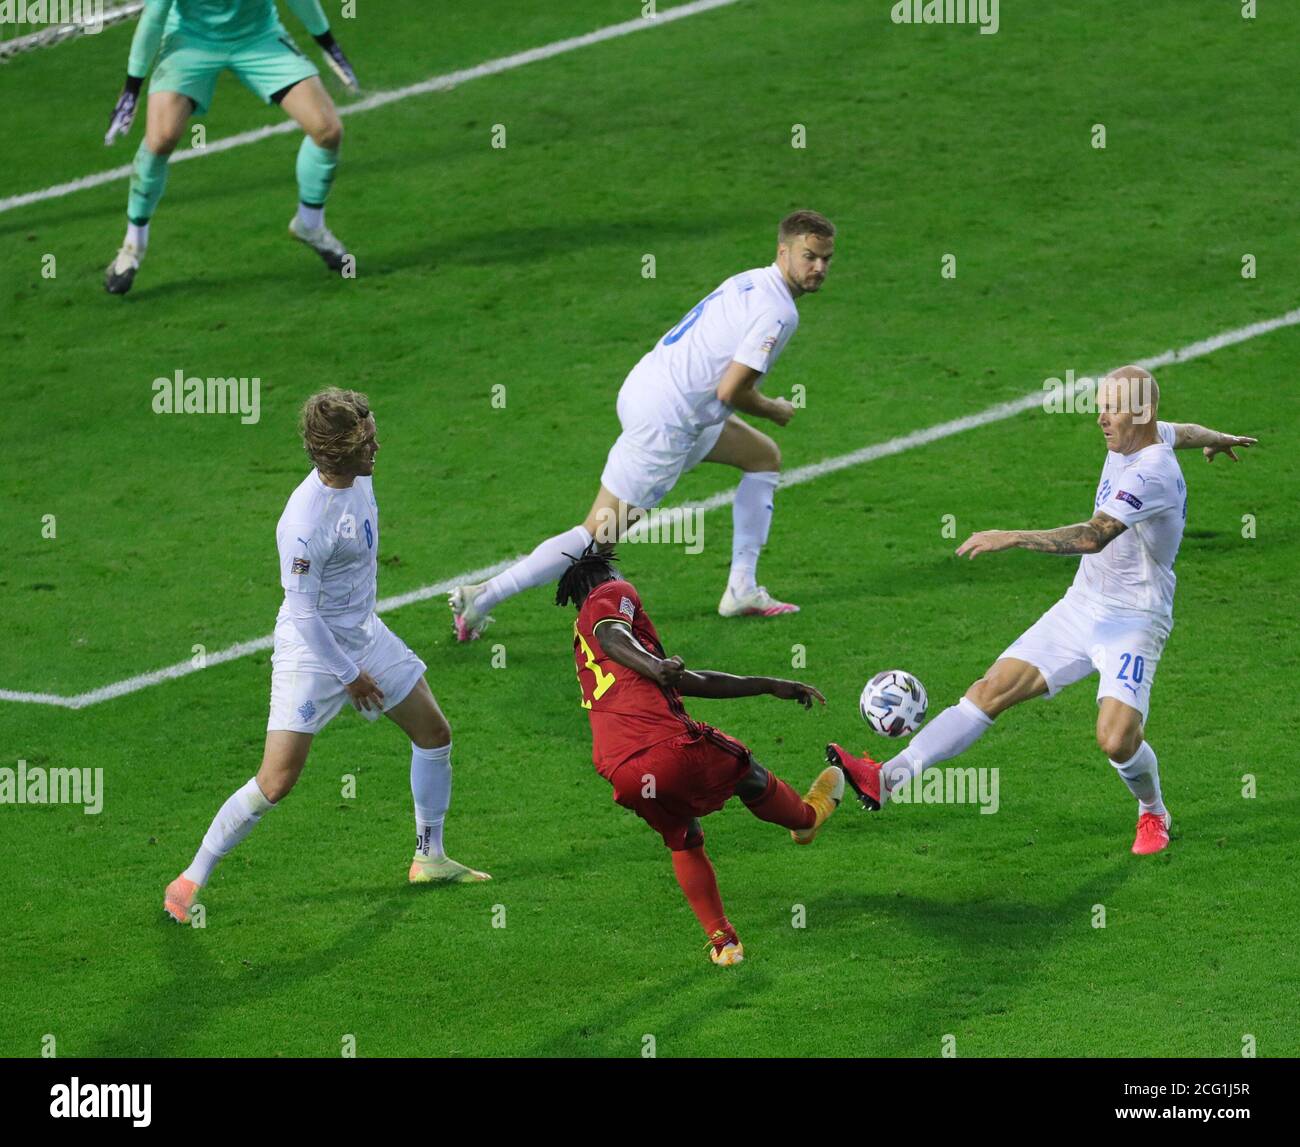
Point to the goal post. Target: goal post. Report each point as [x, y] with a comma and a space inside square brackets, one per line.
[29, 24]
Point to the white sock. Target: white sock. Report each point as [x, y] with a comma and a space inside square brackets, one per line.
[137, 234]
[431, 788]
[952, 732]
[1141, 774]
[234, 821]
[311, 217]
[544, 564]
[751, 519]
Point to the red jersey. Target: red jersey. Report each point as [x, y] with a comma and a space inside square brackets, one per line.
[628, 712]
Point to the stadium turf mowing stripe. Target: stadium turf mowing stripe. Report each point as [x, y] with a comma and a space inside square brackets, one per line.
[796, 477]
[382, 99]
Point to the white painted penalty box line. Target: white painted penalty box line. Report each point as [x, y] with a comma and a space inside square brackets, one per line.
[380, 99]
[796, 477]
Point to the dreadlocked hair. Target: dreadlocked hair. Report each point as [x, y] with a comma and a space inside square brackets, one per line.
[587, 572]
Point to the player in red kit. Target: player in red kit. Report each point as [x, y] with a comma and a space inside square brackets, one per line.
[669, 769]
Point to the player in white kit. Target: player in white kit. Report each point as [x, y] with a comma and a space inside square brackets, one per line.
[331, 647]
[1114, 620]
[676, 409]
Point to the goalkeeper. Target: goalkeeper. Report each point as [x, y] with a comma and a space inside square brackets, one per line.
[200, 39]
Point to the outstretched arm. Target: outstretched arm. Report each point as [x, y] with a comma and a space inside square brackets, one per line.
[1191, 436]
[1090, 537]
[618, 640]
[709, 683]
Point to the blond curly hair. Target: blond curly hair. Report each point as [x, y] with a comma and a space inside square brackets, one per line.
[333, 427]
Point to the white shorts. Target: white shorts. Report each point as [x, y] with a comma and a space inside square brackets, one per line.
[305, 698]
[649, 457]
[1077, 637]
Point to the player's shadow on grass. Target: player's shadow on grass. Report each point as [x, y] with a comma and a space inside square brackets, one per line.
[681, 1008]
[973, 938]
[280, 262]
[511, 246]
[200, 988]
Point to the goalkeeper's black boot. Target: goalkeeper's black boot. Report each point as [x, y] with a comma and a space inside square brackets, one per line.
[121, 271]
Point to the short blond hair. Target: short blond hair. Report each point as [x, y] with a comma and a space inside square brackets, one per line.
[1138, 391]
[333, 427]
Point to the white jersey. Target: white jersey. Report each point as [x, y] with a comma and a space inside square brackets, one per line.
[748, 319]
[1147, 493]
[329, 542]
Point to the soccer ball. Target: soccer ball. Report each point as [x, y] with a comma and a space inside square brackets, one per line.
[893, 703]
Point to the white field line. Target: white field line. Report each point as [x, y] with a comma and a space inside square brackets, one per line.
[796, 477]
[379, 99]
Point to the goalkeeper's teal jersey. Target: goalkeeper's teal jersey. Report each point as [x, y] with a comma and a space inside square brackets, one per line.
[220, 21]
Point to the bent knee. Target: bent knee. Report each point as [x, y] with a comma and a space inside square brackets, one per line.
[328, 134]
[162, 145]
[276, 787]
[753, 785]
[1119, 744]
[435, 734]
[990, 695]
[769, 457]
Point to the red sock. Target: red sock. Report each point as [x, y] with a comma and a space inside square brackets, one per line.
[695, 875]
[780, 804]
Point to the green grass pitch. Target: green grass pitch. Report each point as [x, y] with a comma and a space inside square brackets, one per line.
[522, 266]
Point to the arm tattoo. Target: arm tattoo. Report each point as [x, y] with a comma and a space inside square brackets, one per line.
[1192, 436]
[1089, 537]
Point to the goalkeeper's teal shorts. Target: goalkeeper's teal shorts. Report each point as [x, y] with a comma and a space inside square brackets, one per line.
[266, 64]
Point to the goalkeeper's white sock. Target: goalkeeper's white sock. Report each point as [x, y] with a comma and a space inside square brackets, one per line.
[431, 788]
[234, 821]
[137, 234]
[544, 564]
[311, 217]
[950, 733]
[1142, 775]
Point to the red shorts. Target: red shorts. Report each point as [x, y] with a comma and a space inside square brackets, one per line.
[670, 784]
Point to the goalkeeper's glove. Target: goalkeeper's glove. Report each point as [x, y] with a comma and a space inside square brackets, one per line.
[119, 123]
[337, 61]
